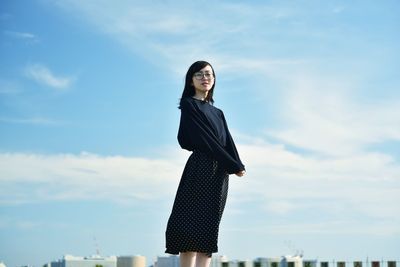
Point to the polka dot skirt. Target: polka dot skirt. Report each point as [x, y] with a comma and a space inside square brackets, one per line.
[198, 207]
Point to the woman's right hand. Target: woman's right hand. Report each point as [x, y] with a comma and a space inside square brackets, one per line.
[240, 174]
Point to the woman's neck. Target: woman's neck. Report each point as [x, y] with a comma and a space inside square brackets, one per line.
[200, 95]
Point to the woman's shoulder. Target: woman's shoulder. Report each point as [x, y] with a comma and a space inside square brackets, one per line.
[186, 102]
[187, 99]
[191, 101]
[216, 109]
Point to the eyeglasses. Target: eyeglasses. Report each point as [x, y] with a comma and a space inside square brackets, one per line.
[199, 75]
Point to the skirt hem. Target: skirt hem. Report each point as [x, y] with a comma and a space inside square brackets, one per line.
[176, 252]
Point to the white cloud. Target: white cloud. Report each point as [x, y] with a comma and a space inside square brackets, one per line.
[9, 87]
[275, 43]
[317, 115]
[44, 75]
[32, 120]
[257, 33]
[26, 36]
[365, 187]
[338, 176]
[359, 192]
[5, 16]
[333, 227]
[181, 35]
[84, 176]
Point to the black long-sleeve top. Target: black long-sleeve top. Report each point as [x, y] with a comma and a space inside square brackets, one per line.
[203, 127]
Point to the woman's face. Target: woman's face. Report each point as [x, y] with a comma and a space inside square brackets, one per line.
[203, 80]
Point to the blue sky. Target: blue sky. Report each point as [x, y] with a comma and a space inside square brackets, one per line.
[88, 123]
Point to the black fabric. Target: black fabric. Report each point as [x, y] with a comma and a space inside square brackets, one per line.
[200, 200]
[198, 207]
[203, 127]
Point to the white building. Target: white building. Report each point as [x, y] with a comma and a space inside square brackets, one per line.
[284, 261]
[311, 263]
[237, 263]
[131, 261]
[219, 260]
[93, 261]
[170, 261]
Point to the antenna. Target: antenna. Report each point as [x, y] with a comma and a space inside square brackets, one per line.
[96, 245]
[293, 249]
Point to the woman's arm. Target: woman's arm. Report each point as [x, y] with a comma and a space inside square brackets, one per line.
[195, 133]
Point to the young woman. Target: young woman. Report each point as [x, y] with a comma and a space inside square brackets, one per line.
[192, 229]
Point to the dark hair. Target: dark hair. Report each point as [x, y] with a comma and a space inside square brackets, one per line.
[188, 90]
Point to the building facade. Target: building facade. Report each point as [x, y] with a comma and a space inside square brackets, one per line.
[93, 261]
[170, 261]
[131, 261]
